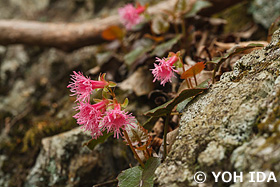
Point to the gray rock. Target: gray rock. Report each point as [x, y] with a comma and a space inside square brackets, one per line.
[232, 127]
[63, 161]
[4, 178]
[15, 58]
[63, 10]
[265, 12]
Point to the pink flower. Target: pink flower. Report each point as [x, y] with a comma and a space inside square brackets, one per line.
[116, 119]
[101, 106]
[89, 117]
[82, 86]
[130, 15]
[164, 70]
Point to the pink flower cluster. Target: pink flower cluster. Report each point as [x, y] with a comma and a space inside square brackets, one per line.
[104, 115]
[130, 16]
[82, 86]
[164, 71]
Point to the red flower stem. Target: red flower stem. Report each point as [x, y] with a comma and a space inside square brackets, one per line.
[165, 135]
[112, 93]
[148, 153]
[190, 83]
[213, 75]
[187, 83]
[139, 140]
[132, 149]
[195, 79]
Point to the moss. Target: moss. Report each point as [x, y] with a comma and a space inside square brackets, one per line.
[238, 20]
[43, 129]
[236, 16]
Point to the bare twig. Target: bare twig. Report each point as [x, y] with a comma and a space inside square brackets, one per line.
[106, 183]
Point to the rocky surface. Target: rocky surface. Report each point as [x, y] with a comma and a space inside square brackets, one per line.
[34, 100]
[35, 104]
[64, 161]
[232, 127]
[265, 12]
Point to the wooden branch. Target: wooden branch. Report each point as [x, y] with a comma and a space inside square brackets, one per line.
[71, 36]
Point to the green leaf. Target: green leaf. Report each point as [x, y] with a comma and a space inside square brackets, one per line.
[105, 94]
[92, 143]
[149, 124]
[161, 49]
[160, 25]
[181, 106]
[204, 84]
[167, 107]
[112, 84]
[198, 5]
[159, 111]
[125, 103]
[130, 177]
[149, 172]
[141, 47]
[105, 90]
[136, 176]
[135, 54]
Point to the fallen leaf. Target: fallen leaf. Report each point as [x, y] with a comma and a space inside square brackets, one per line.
[155, 38]
[141, 82]
[112, 33]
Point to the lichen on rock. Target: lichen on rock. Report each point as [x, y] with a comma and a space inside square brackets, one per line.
[63, 161]
[220, 129]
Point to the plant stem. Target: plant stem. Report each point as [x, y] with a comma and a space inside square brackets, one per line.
[195, 79]
[214, 73]
[165, 135]
[146, 149]
[111, 182]
[176, 29]
[133, 150]
[183, 27]
[190, 83]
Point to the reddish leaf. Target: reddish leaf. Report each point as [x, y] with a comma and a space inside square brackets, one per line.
[112, 33]
[194, 70]
[155, 38]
